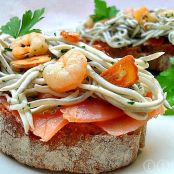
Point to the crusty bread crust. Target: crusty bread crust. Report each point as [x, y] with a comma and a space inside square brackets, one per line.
[81, 148]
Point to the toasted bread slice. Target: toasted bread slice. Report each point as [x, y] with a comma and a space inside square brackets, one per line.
[147, 48]
[81, 148]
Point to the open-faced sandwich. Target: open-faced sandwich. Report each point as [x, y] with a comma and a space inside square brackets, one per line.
[66, 106]
[138, 32]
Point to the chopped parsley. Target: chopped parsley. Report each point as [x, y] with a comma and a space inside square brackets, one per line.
[17, 27]
[139, 86]
[83, 46]
[18, 98]
[7, 49]
[131, 102]
[102, 11]
[63, 51]
[29, 105]
[6, 68]
[54, 57]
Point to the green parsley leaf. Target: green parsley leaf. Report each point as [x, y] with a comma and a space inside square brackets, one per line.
[102, 11]
[112, 11]
[12, 27]
[15, 27]
[166, 81]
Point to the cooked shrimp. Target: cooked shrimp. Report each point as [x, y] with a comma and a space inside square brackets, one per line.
[67, 73]
[29, 45]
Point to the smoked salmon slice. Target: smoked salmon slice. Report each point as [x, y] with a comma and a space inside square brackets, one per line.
[48, 123]
[106, 116]
[120, 126]
[126, 124]
[91, 110]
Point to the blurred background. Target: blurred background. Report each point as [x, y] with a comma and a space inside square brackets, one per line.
[65, 13]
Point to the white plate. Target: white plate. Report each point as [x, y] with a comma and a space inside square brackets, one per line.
[158, 154]
[156, 157]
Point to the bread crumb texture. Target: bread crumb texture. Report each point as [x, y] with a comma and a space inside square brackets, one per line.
[80, 148]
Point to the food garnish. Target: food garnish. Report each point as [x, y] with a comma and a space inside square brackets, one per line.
[166, 80]
[30, 62]
[7, 49]
[102, 11]
[123, 73]
[17, 27]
